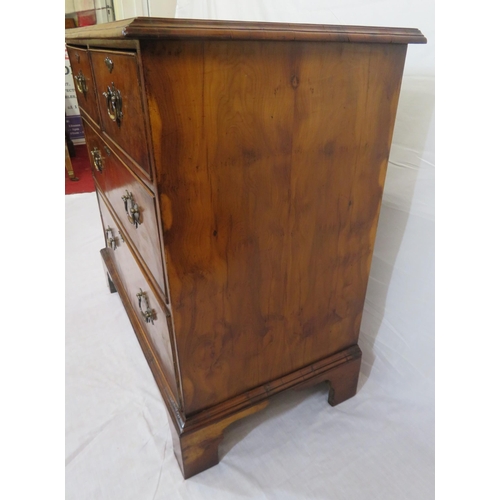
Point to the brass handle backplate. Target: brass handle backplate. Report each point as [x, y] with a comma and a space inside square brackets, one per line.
[114, 103]
[110, 239]
[97, 159]
[132, 209]
[81, 83]
[148, 314]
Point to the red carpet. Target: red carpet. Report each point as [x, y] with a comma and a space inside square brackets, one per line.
[83, 170]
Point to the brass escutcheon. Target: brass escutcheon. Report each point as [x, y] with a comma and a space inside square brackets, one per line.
[109, 63]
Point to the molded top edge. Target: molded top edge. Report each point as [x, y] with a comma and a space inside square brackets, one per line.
[176, 29]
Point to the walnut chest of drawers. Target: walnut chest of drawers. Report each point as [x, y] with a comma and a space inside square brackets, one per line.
[239, 170]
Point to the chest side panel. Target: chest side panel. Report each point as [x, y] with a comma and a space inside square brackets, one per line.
[271, 162]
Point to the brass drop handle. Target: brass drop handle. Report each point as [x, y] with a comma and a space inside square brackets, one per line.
[132, 209]
[148, 314]
[114, 104]
[110, 240]
[81, 83]
[97, 159]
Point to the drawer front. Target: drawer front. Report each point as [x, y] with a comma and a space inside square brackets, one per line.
[153, 317]
[84, 82]
[120, 104]
[132, 203]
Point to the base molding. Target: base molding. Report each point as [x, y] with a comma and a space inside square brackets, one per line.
[196, 437]
[340, 369]
[196, 445]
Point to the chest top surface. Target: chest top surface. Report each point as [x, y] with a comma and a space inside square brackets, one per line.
[178, 29]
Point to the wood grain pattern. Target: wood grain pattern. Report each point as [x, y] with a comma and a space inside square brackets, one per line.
[133, 281]
[177, 29]
[80, 61]
[262, 148]
[272, 160]
[198, 450]
[115, 283]
[340, 370]
[115, 181]
[130, 134]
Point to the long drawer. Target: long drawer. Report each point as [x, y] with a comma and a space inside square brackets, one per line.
[132, 203]
[154, 316]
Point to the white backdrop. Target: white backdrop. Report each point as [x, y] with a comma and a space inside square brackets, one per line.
[378, 445]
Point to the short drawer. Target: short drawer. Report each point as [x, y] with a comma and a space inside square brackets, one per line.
[84, 82]
[154, 317]
[132, 203]
[120, 103]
